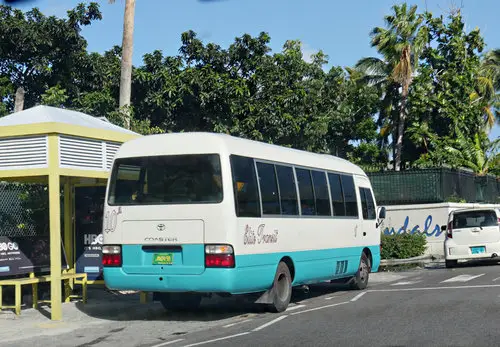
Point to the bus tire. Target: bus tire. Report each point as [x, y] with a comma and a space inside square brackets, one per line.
[360, 280]
[451, 263]
[180, 301]
[282, 289]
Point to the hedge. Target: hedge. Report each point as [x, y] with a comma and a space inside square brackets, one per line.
[402, 246]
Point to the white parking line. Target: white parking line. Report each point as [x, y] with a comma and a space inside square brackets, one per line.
[358, 296]
[461, 278]
[240, 322]
[320, 308]
[496, 279]
[336, 295]
[292, 308]
[434, 288]
[168, 343]
[270, 323]
[404, 283]
[215, 340]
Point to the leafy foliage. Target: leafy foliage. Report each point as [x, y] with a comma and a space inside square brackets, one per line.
[432, 91]
[403, 246]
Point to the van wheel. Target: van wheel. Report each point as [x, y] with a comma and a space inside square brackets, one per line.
[180, 301]
[360, 280]
[282, 289]
[450, 263]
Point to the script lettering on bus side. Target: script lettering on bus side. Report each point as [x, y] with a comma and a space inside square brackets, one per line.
[252, 237]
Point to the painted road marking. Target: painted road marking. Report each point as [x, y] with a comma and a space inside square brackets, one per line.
[291, 308]
[168, 343]
[405, 283]
[496, 279]
[433, 288]
[270, 323]
[336, 295]
[320, 308]
[240, 322]
[358, 296]
[215, 340]
[461, 278]
[381, 277]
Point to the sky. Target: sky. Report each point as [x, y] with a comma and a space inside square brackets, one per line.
[339, 28]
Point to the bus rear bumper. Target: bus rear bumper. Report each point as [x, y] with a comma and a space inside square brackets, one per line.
[214, 280]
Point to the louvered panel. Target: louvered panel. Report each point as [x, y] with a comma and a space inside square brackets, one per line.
[111, 149]
[81, 153]
[23, 152]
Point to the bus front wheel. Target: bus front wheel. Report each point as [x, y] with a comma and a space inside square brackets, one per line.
[360, 280]
[282, 289]
[180, 301]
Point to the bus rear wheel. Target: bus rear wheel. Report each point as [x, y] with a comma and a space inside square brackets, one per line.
[282, 289]
[360, 280]
[180, 301]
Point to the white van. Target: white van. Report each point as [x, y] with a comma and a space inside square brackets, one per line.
[472, 234]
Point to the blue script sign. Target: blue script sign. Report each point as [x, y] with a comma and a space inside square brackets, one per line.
[435, 232]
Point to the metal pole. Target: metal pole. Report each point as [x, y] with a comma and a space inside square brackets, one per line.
[55, 229]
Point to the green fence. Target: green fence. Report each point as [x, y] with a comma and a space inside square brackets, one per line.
[433, 186]
[24, 210]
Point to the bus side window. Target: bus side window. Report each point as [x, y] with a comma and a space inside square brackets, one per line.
[306, 192]
[288, 190]
[351, 203]
[370, 204]
[321, 193]
[337, 195]
[246, 194]
[268, 189]
[364, 206]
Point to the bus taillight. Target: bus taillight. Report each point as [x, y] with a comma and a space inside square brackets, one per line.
[111, 256]
[219, 256]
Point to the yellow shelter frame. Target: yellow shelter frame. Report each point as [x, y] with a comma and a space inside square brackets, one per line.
[62, 148]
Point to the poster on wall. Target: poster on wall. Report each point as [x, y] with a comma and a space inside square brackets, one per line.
[88, 231]
[22, 255]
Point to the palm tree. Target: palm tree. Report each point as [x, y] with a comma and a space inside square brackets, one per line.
[376, 72]
[126, 66]
[478, 154]
[488, 87]
[400, 45]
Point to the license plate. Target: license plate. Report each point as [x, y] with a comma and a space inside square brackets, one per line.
[163, 259]
[477, 250]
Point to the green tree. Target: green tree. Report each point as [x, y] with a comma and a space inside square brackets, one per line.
[55, 96]
[39, 52]
[444, 102]
[488, 86]
[400, 44]
[478, 154]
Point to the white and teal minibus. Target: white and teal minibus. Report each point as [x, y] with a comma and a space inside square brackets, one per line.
[194, 214]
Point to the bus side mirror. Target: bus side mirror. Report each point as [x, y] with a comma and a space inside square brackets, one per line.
[443, 227]
[381, 213]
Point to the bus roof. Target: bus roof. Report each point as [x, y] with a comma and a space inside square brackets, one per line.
[203, 142]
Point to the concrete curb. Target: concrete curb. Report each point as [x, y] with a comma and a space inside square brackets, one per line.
[414, 260]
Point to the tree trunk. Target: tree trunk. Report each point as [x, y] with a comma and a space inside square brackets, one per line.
[401, 129]
[19, 101]
[126, 65]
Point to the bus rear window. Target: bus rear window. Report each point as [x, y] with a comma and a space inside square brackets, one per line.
[158, 180]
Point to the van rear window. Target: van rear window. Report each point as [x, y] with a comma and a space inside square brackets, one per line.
[474, 219]
[177, 179]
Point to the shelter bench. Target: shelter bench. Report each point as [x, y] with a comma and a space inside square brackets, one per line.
[80, 278]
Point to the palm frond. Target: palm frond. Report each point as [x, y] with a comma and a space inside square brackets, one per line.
[489, 117]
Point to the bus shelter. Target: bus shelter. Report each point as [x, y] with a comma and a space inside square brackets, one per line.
[64, 149]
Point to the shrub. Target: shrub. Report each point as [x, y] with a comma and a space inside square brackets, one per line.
[402, 246]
